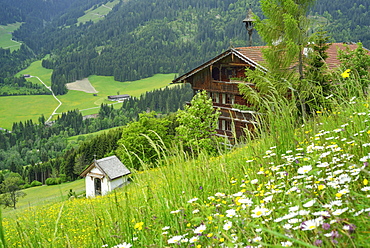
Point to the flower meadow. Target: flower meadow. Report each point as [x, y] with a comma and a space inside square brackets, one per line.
[309, 189]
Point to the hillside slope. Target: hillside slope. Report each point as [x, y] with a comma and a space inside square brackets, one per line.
[301, 188]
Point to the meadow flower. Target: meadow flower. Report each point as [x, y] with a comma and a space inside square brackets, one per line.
[286, 244]
[325, 226]
[257, 239]
[139, 226]
[260, 211]
[293, 209]
[247, 201]
[317, 242]
[339, 211]
[195, 211]
[227, 225]
[254, 181]
[175, 239]
[303, 212]
[365, 188]
[304, 169]
[294, 220]
[175, 211]
[200, 229]
[166, 228]
[193, 239]
[231, 213]
[287, 226]
[322, 213]
[123, 245]
[309, 203]
[310, 225]
[192, 200]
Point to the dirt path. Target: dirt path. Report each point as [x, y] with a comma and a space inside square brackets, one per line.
[49, 88]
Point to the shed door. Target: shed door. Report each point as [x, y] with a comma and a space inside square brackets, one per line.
[97, 186]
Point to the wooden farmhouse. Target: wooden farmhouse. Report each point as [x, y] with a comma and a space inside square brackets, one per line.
[221, 76]
[105, 175]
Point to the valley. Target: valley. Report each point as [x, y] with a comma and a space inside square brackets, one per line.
[22, 108]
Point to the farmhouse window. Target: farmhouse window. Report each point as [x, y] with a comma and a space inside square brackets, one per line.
[215, 73]
[214, 96]
[225, 125]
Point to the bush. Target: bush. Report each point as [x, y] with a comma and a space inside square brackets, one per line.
[35, 183]
[53, 181]
[26, 186]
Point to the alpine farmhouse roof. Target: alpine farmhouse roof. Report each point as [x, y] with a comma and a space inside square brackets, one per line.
[254, 57]
[111, 167]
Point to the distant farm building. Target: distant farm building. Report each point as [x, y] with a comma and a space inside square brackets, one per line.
[26, 75]
[105, 175]
[119, 97]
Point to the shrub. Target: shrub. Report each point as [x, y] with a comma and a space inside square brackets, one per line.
[53, 181]
[35, 183]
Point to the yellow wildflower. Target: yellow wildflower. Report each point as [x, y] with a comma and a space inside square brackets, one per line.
[139, 225]
[345, 74]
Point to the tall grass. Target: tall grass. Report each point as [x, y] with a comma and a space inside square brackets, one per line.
[303, 186]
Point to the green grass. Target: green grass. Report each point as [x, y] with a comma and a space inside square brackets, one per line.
[36, 69]
[98, 13]
[6, 36]
[43, 195]
[22, 108]
[75, 139]
[265, 192]
[107, 86]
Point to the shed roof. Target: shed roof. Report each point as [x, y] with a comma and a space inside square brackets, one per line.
[111, 166]
[253, 56]
[119, 96]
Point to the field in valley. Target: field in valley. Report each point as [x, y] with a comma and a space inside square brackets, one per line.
[22, 108]
[6, 36]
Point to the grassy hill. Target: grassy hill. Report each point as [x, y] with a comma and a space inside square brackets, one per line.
[17, 108]
[303, 186]
[6, 36]
[97, 13]
[43, 195]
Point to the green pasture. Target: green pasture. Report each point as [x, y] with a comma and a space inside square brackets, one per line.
[36, 69]
[87, 103]
[98, 13]
[75, 139]
[22, 108]
[50, 194]
[6, 36]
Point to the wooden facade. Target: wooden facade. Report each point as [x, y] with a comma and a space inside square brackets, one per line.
[219, 75]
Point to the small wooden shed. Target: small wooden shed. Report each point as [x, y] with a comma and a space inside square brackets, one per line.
[105, 175]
